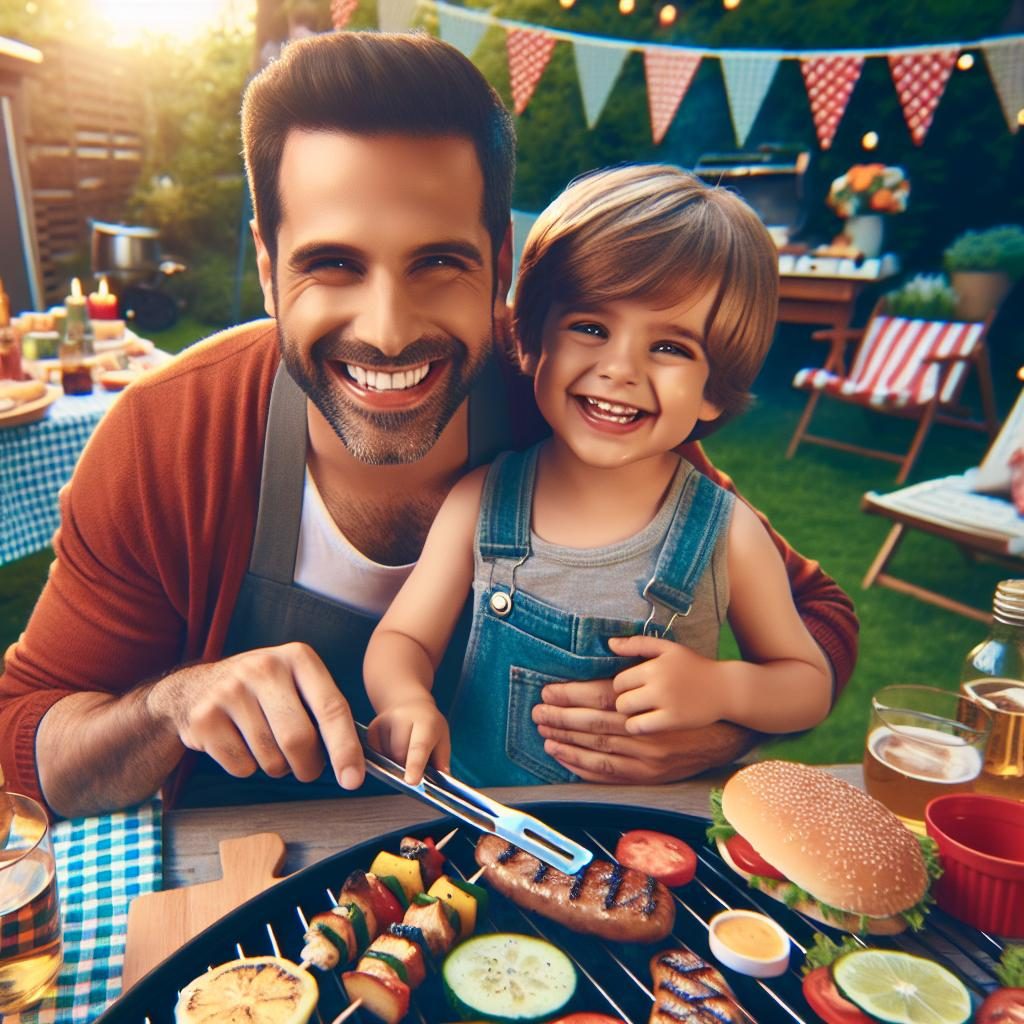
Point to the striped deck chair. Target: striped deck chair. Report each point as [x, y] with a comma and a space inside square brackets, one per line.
[910, 368]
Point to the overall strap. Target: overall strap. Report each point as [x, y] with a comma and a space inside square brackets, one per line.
[276, 539]
[503, 530]
[701, 511]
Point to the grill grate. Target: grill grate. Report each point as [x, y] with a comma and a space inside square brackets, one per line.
[612, 979]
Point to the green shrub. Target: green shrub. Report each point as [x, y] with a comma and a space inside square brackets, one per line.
[924, 297]
[998, 248]
[208, 290]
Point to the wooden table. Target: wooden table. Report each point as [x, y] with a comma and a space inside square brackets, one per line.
[316, 829]
[819, 300]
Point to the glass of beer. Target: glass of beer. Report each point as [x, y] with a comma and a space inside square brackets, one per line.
[30, 934]
[922, 742]
[1003, 771]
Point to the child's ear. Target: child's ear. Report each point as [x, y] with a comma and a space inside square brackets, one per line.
[709, 411]
[527, 360]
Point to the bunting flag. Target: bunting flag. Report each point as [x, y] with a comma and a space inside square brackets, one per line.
[463, 33]
[829, 82]
[528, 56]
[395, 15]
[342, 11]
[1005, 59]
[748, 76]
[598, 65]
[669, 74]
[920, 79]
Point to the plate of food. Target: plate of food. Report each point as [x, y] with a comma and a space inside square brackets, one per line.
[483, 930]
[25, 401]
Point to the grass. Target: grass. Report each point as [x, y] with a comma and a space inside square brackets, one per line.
[813, 500]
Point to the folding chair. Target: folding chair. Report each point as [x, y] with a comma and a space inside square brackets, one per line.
[910, 368]
[957, 509]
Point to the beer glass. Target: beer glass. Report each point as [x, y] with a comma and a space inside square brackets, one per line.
[30, 935]
[1003, 771]
[922, 742]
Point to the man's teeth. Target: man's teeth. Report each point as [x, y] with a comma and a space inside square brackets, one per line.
[379, 380]
[612, 411]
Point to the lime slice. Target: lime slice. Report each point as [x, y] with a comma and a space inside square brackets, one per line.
[901, 988]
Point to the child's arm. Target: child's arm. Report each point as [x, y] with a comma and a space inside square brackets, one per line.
[782, 685]
[410, 640]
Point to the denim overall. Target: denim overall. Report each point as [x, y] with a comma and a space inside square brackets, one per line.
[271, 610]
[518, 644]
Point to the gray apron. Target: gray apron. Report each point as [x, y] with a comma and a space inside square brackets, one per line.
[271, 610]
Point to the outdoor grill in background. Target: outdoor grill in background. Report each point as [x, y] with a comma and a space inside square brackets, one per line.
[773, 180]
[614, 978]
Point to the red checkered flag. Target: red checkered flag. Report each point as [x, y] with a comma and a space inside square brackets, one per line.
[528, 56]
[342, 11]
[920, 80]
[669, 75]
[829, 82]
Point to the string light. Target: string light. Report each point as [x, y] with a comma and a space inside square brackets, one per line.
[567, 3]
[730, 5]
[1020, 117]
[627, 6]
[869, 140]
[667, 15]
[965, 61]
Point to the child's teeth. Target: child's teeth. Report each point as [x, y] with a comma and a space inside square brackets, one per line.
[613, 410]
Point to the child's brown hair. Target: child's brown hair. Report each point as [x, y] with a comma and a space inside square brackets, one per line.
[654, 231]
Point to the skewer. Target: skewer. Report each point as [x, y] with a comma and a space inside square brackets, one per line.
[347, 1012]
[440, 845]
[476, 876]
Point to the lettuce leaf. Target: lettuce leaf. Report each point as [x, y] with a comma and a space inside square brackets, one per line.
[719, 827]
[824, 952]
[1011, 967]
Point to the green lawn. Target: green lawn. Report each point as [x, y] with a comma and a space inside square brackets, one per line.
[814, 501]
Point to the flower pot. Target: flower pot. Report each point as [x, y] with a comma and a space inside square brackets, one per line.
[865, 233]
[979, 292]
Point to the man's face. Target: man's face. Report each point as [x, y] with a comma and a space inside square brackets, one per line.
[382, 284]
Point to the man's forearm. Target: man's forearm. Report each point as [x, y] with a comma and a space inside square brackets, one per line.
[96, 752]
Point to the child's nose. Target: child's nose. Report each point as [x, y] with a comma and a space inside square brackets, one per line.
[618, 365]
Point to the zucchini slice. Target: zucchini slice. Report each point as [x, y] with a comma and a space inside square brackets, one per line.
[510, 978]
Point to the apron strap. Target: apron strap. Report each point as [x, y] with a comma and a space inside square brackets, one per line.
[276, 539]
[503, 529]
[702, 510]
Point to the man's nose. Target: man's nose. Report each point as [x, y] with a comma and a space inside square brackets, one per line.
[388, 318]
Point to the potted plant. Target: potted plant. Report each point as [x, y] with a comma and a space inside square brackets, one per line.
[860, 196]
[923, 297]
[983, 266]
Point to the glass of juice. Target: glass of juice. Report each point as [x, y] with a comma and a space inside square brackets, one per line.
[922, 742]
[1003, 771]
[30, 934]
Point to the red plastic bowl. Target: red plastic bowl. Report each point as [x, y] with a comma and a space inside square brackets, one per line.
[981, 846]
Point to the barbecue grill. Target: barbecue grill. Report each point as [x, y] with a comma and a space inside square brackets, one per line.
[613, 979]
[773, 180]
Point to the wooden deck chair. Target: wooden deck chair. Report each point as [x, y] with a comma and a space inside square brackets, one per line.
[972, 510]
[910, 368]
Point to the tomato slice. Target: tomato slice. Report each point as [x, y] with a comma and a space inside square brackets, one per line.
[825, 1000]
[667, 858]
[1004, 1006]
[745, 857]
[432, 863]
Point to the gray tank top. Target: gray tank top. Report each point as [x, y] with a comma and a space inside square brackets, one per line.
[607, 582]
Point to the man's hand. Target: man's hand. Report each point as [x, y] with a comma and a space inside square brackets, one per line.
[413, 733]
[586, 734]
[672, 688]
[275, 708]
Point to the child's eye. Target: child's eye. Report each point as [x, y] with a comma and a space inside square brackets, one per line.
[673, 349]
[589, 327]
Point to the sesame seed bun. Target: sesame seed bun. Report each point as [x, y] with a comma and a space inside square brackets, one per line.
[829, 838]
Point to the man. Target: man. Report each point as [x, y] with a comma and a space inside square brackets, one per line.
[215, 588]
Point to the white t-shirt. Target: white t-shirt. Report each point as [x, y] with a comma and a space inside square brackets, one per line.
[328, 564]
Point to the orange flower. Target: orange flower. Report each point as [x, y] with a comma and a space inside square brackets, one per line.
[883, 200]
[862, 175]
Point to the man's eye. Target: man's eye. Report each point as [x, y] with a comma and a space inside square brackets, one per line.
[332, 263]
[442, 261]
[588, 327]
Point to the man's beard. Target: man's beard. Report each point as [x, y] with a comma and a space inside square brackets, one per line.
[393, 437]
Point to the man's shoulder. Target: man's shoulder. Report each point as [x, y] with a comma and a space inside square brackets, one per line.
[249, 348]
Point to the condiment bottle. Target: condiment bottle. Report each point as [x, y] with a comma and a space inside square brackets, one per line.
[75, 375]
[10, 342]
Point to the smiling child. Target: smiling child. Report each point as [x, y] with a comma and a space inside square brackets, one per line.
[645, 307]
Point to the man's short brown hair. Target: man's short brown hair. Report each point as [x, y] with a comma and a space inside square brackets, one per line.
[656, 232]
[374, 84]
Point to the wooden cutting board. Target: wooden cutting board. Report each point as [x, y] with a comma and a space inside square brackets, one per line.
[159, 923]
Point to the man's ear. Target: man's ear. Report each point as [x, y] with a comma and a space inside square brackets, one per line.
[503, 270]
[265, 269]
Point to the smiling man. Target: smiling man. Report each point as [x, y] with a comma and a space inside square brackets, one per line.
[243, 517]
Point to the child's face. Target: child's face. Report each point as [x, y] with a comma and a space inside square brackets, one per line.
[624, 381]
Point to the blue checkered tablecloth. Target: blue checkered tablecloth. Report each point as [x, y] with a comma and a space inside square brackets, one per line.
[103, 863]
[36, 460]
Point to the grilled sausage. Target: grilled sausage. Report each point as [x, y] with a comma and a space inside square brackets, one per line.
[604, 899]
[689, 991]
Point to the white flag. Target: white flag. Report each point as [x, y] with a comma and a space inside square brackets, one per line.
[598, 66]
[1005, 60]
[395, 15]
[464, 33]
[748, 76]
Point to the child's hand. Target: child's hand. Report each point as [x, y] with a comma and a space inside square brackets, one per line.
[413, 733]
[673, 689]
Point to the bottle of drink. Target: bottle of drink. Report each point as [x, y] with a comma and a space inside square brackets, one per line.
[993, 673]
[75, 374]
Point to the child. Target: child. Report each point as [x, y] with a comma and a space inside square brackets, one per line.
[645, 307]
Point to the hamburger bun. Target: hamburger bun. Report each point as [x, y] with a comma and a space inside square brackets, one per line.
[19, 391]
[830, 839]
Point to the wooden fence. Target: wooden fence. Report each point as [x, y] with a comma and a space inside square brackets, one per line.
[85, 144]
